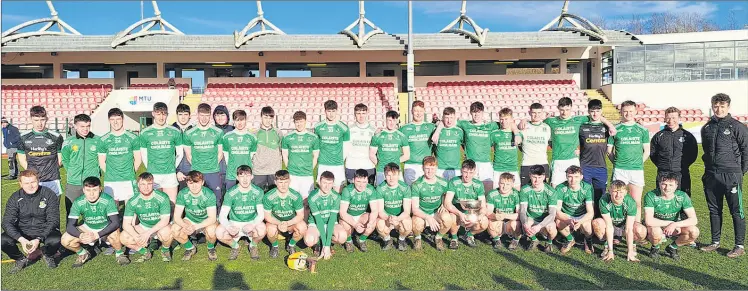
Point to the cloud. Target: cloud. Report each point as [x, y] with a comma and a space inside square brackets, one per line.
[17, 18]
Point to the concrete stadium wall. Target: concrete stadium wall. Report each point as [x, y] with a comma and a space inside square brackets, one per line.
[423, 80]
[57, 81]
[683, 95]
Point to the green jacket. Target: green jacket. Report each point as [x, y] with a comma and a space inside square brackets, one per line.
[80, 158]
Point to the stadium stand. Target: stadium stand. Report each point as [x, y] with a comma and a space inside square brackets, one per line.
[648, 115]
[61, 100]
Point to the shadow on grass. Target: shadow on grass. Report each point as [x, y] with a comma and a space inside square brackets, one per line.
[177, 285]
[608, 279]
[452, 287]
[697, 278]
[509, 283]
[550, 279]
[224, 280]
[299, 286]
[399, 286]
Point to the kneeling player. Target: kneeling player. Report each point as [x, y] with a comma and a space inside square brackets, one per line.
[324, 204]
[618, 212]
[355, 199]
[394, 211]
[194, 213]
[503, 212]
[284, 213]
[662, 215]
[576, 202]
[242, 215]
[100, 223]
[152, 208]
[427, 192]
[465, 188]
[537, 209]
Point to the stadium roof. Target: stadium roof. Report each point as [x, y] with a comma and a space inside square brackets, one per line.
[327, 42]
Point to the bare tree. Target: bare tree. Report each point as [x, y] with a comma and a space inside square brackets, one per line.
[732, 20]
[601, 22]
[659, 23]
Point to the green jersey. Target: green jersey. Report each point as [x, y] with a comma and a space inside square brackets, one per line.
[478, 139]
[565, 136]
[669, 209]
[323, 207]
[618, 213]
[419, 140]
[239, 147]
[508, 203]
[629, 143]
[120, 156]
[80, 157]
[301, 148]
[331, 139]
[358, 202]
[429, 195]
[283, 208]
[204, 144]
[161, 147]
[149, 210]
[448, 149]
[538, 202]
[243, 205]
[463, 192]
[389, 146]
[196, 206]
[573, 203]
[505, 151]
[95, 215]
[393, 197]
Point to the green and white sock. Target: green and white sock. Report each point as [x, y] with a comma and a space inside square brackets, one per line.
[497, 238]
[81, 252]
[211, 245]
[142, 251]
[534, 238]
[188, 245]
[119, 252]
[453, 236]
[673, 245]
[164, 249]
[275, 244]
[292, 243]
[234, 244]
[569, 237]
[349, 239]
[363, 237]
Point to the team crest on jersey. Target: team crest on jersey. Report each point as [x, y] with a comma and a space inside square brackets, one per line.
[75, 147]
[43, 204]
[159, 133]
[194, 202]
[93, 208]
[240, 139]
[283, 203]
[727, 131]
[93, 148]
[681, 139]
[244, 198]
[203, 133]
[148, 205]
[389, 137]
[734, 190]
[49, 142]
[117, 140]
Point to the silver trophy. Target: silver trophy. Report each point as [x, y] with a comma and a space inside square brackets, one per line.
[472, 207]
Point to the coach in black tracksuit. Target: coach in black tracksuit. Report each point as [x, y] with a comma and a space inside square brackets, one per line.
[725, 142]
[673, 150]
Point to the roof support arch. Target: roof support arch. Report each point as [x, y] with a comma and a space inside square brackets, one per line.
[578, 24]
[362, 36]
[146, 25]
[240, 38]
[458, 26]
[12, 33]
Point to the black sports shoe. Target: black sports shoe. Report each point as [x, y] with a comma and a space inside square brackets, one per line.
[548, 248]
[439, 242]
[348, 246]
[566, 247]
[212, 254]
[470, 241]
[82, 259]
[20, 264]
[290, 249]
[513, 245]
[387, 245]
[317, 249]
[417, 244]
[654, 253]
[122, 260]
[50, 262]
[401, 245]
[362, 245]
[672, 252]
[533, 245]
[453, 244]
[254, 252]
[274, 252]
[188, 253]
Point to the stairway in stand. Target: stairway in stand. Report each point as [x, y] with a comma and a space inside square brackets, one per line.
[609, 109]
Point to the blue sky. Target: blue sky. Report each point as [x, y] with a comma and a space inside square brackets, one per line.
[313, 17]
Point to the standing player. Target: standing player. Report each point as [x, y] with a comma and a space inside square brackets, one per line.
[673, 150]
[183, 124]
[11, 139]
[478, 143]
[537, 209]
[100, 223]
[119, 158]
[357, 155]
[388, 146]
[332, 135]
[204, 151]
[80, 157]
[618, 212]
[221, 121]
[152, 209]
[418, 134]
[323, 231]
[503, 211]
[242, 213]
[268, 160]
[394, 210]
[465, 188]
[575, 201]
[663, 209]
[628, 150]
[40, 150]
[448, 139]
[358, 210]
[725, 142]
[593, 146]
[301, 153]
[284, 213]
[536, 134]
[164, 145]
[239, 146]
[427, 192]
[505, 152]
[198, 207]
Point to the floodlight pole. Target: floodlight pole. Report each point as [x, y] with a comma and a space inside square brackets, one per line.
[410, 60]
